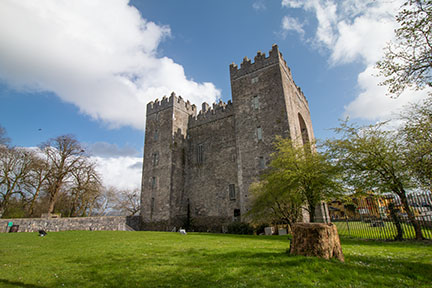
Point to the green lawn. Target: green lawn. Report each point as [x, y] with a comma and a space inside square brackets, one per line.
[364, 230]
[157, 259]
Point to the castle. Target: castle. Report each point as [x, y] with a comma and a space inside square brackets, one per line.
[198, 165]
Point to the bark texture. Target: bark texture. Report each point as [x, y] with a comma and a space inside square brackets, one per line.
[316, 239]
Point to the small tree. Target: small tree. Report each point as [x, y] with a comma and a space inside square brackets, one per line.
[373, 159]
[408, 61]
[271, 203]
[297, 177]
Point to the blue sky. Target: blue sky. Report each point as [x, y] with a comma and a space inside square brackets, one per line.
[89, 67]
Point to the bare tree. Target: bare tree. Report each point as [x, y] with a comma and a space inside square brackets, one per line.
[85, 189]
[15, 168]
[127, 202]
[36, 182]
[4, 140]
[64, 154]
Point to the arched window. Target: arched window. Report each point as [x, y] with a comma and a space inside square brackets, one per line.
[303, 130]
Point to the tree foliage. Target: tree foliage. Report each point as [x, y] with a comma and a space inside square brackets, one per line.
[408, 61]
[373, 160]
[416, 133]
[297, 177]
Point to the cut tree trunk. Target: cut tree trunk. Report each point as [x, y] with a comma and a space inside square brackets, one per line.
[316, 239]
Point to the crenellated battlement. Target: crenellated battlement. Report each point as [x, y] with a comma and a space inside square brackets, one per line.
[260, 61]
[172, 101]
[208, 114]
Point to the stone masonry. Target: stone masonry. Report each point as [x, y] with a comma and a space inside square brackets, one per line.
[105, 223]
[198, 165]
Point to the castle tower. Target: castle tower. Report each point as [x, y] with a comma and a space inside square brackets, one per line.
[163, 167]
[266, 103]
[198, 167]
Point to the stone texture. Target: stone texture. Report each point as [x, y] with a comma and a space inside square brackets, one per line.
[121, 223]
[266, 102]
[316, 239]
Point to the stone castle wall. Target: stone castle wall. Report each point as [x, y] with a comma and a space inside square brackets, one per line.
[112, 223]
[208, 179]
[235, 140]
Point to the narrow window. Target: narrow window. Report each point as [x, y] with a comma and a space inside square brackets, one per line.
[259, 133]
[157, 116]
[156, 135]
[255, 102]
[155, 159]
[254, 80]
[153, 183]
[232, 192]
[152, 205]
[261, 162]
[200, 154]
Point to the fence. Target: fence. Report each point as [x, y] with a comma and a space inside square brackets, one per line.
[370, 217]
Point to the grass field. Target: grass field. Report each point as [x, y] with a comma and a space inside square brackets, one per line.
[358, 229]
[157, 259]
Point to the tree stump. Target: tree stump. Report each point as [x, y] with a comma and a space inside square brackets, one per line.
[316, 239]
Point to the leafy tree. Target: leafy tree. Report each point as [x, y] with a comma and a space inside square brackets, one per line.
[408, 61]
[416, 133]
[297, 177]
[373, 159]
[271, 203]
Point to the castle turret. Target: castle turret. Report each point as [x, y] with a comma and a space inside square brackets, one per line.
[163, 177]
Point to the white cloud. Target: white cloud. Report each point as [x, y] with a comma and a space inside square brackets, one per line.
[99, 55]
[259, 5]
[373, 103]
[292, 24]
[119, 172]
[352, 31]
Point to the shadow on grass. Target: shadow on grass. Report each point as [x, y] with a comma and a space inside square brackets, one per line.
[8, 283]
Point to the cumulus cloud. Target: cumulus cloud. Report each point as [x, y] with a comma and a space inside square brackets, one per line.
[357, 31]
[101, 56]
[373, 104]
[120, 172]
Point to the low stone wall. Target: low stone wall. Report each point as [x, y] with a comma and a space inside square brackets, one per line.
[197, 224]
[121, 223]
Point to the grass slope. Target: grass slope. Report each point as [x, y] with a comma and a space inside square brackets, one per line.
[157, 259]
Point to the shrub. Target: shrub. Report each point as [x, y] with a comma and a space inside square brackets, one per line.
[240, 228]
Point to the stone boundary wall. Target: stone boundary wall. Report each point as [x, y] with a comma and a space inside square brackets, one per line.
[113, 223]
